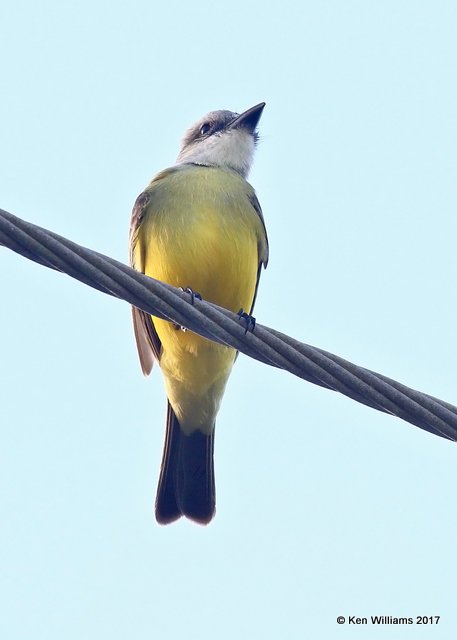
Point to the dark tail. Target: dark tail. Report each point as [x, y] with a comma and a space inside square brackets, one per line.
[186, 483]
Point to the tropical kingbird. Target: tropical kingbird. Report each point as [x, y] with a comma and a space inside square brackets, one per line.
[198, 226]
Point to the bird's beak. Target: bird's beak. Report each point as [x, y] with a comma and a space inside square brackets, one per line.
[248, 119]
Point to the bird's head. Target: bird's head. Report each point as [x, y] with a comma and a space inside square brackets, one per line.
[223, 139]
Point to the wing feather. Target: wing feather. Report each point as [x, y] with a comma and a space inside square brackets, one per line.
[147, 341]
[263, 246]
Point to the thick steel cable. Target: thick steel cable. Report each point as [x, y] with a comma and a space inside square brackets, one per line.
[264, 344]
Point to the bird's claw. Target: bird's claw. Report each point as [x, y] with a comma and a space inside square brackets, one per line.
[248, 319]
[193, 296]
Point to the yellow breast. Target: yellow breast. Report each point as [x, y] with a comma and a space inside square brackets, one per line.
[200, 231]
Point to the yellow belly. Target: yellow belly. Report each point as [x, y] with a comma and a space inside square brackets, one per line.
[199, 238]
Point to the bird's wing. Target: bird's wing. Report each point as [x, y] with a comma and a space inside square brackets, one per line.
[263, 245]
[147, 341]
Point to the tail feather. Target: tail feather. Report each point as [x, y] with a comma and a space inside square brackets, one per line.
[186, 483]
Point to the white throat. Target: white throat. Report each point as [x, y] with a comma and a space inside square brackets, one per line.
[230, 149]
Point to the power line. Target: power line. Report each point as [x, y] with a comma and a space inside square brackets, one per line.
[264, 344]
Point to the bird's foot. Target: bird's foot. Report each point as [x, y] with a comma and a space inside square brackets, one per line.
[193, 296]
[248, 320]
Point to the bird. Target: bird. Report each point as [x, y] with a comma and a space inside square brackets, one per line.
[198, 226]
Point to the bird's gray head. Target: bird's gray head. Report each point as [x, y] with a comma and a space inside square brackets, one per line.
[223, 139]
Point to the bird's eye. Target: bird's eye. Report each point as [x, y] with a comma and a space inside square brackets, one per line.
[204, 129]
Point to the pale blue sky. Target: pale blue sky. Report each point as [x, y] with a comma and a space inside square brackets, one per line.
[324, 507]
